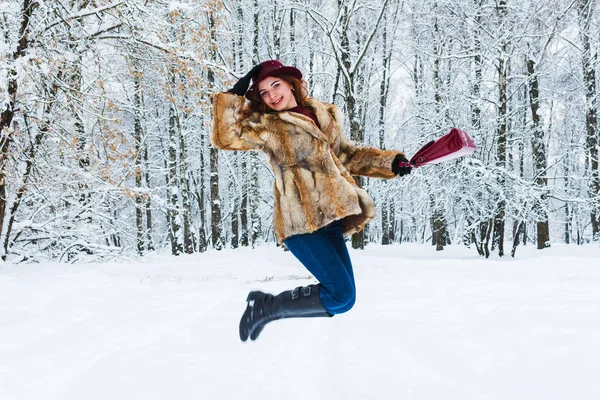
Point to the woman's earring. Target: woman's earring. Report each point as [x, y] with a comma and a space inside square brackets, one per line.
[293, 90]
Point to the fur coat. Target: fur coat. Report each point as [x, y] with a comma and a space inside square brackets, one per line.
[313, 167]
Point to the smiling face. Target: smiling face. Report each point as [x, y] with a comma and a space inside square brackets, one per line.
[276, 93]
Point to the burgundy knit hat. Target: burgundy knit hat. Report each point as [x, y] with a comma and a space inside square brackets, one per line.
[273, 68]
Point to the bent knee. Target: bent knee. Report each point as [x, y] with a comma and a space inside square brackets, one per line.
[344, 303]
[345, 308]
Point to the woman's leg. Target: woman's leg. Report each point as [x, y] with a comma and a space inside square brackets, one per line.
[320, 253]
[321, 257]
[336, 237]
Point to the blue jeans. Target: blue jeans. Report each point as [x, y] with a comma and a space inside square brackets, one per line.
[325, 255]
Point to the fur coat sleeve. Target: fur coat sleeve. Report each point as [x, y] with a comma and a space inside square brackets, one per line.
[357, 160]
[230, 131]
[366, 161]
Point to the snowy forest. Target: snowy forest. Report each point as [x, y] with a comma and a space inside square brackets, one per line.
[106, 114]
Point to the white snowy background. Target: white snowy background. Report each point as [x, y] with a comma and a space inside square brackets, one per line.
[92, 86]
[106, 117]
[426, 325]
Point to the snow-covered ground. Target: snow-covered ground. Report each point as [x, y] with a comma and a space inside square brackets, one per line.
[426, 325]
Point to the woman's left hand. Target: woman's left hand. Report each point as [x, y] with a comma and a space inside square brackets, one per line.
[401, 166]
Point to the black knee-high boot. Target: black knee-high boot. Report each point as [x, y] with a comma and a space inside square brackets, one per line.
[302, 302]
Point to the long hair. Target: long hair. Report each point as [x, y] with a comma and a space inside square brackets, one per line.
[257, 105]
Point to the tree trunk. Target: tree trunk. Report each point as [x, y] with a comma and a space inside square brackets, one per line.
[385, 222]
[184, 181]
[438, 230]
[276, 22]
[292, 43]
[7, 115]
[516, 238]
[477, 68]
[478, 234]
[438, 221]
[567, 234]
[138, 137]
[235, 209]
[393, 224]
[501, 132]
[254, 201]
[311, 64]
[173, 185]
[148, 205]
[256, 32]
[201, 193]
[487, 228]
[244, 209]
[238, 183]
[521, 231]
[215, 200]
[358, 239]
[356, 134]
[383, 93]
[589, 61]
[538, 148]
[188, 241]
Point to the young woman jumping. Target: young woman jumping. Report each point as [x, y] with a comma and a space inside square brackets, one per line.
[317, 202]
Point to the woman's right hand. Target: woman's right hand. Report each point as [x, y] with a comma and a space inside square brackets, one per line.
[241, 87]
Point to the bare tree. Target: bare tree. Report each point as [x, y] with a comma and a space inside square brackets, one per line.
[7, 115]
[215, 201]
[589, 61]
[501, 129]
[348, 67]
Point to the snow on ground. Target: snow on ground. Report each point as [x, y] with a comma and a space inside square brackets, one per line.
[426, 325]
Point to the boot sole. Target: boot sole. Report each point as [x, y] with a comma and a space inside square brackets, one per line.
[247, 318]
